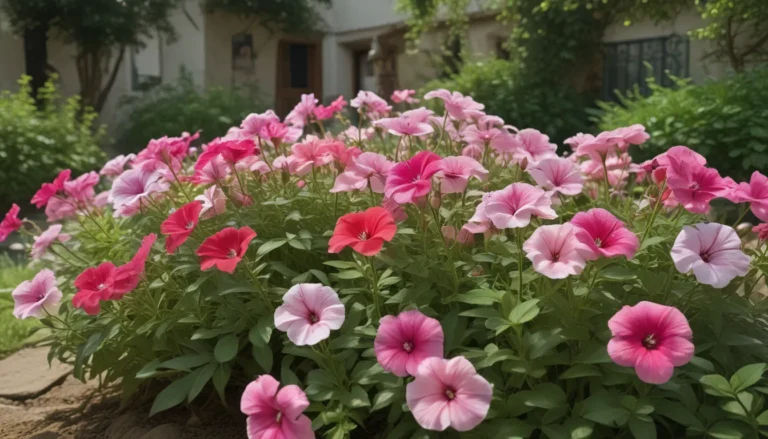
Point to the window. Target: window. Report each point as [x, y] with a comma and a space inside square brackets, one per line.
[146, 64]
[628, 63]
[298, 65]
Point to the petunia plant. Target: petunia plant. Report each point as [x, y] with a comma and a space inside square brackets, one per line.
[419, 273]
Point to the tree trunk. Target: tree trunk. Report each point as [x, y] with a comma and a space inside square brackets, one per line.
[91, 66]
[36, 56]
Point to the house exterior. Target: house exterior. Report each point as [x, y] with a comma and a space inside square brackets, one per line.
[362, 48]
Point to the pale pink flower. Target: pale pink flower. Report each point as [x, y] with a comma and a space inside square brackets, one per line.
[457, 105]
[81, 188]
[116, 166]
[652, 338]
[281, 162]
[473, 151]
[214, 202]
[406, 96]
[575, 141]
[403, 342]
[277, 133]
[557, 175]
[756, 193]
[358, 134]
[609, 142]
[132, 188]
[169, 151]
[254, 123]
[499, 140]
[59, 208]
[273, 413]
[448, 393]
[404, 126]
[454, 173]
[46, 239]
[101, 199]
[370, 104]
[421, 114]
[396, 210]
[313, 152]
[533, 147]
[302, 111]
[604, 235]
[409, 180]
[693, 185]
[368, 167]
[513, 206]
[555, 252]
[308, 314]
[480, 223]
[215, 170]
[33, 298]
[712, 251]
[252, 164]
[342, 155]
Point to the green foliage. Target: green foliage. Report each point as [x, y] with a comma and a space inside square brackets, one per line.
[12, 331]
[523, 101]
[293, 16]
[182, 106]
[37, 143]
[723, 120]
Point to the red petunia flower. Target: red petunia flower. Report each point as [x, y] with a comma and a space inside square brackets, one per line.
[10, 223]
[233, 151]
[225, 249]
[128, 276]
[180, 225]
[365, 231]
[49, 190]
[94, 285]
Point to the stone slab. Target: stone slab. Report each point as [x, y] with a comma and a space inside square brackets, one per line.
[26, 375]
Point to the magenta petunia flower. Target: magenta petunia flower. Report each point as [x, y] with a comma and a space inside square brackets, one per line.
[134, 187]
[604, 235]
[513, 206]
[46, 239]
[32, 298]
[693, 185]
[10, 222]
[94, 285]
[368, 167]
[534, 146]
[49, 190]
[404, 341]
[712, 251]
[412, 179]
[555, 252]
[180, 224]
[273, 413]
[116, 166]
[448, 393]
[128, 275]
[557, 176]
[756, 193]
[308, 314]
[454, 173]
[652, 338]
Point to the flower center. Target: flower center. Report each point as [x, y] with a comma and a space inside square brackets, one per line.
[363, 236]
[190, 225]
[706, 257]
[555, 257]
[650, 341]
[450, 393]
[313, 318]
[279, 417]
[408, 346]
[101, 287]
[598, 242]
[693, 186]
[232, 253]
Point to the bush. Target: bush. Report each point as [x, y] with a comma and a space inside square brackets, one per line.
[182, 106]
[527, 304]
[724, 120]
[558, 111]
[36, 143]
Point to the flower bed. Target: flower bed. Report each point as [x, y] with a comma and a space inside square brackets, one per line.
[416, 272]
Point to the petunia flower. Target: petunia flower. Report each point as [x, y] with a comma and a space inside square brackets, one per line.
[128, 276]
[412, 179]
[604, 235]
[225, 248]
[60, 208]
[234, 151]
[180, 224]
[712, 251]
[301, 113]
[454, 173]
[365, 232]
[462, 236]
[49, 190]
[555, 252]
[534, 146]
[756, 193]
[36, 297]
[762, 231]
[652, 338]
[399, 96]
[94, 285]
[448, 393]
[311, 153]
[693, 185]
[513, 206]
[254, 123]
[457, 105]
[273, 413]
[46, 239]
[404, 341]
[215, 170]
[371, 104]
[368, 167]
[557, 176]
[133, 188]
[575, 141]
[81, 188]
[116, 166]
[308, 314]
[404, 126]
[214, 202]
[10, 222]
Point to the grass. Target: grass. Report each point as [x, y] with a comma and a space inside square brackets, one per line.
[12, 331]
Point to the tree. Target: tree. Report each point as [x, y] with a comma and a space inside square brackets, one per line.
[291, 16]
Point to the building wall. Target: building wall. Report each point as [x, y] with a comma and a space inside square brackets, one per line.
[188, 51]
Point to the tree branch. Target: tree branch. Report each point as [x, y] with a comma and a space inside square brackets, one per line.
[111, 81]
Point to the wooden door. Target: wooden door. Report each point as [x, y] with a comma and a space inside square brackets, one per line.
[299, 71]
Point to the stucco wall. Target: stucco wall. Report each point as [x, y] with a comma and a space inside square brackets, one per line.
[189, 49]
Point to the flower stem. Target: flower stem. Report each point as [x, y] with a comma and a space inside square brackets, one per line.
[656, 210]
[519, 240]
[375, 289]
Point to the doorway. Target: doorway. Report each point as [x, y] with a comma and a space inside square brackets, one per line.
[299, 72]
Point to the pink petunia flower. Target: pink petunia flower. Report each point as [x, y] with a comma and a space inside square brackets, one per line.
[604, 235]
[448, 393]
[368, 167]
[762, 231]
[404, 341]
[253, 124]
[116, 166]
[683, 154]
[479, 222]
[233, 151]
[273, 413]
[10, 223]
[36, 297]
[411, 179]
[128, 275]
[49, 190]
[134, 187]
[60, 208]
[513, 206]
[497, 139]
[252, 164]
[341, 154]
[756, 193]
[399, 96]
[534, 146]
[46, 239]
[301, 113]
[473, 151]
[575, 141]
[278, 133]
[555, 252]
[693, 185]
[215, 171]
[404, 126]
[615, 141]
[167, 150]
[557, 176]
[214, 202]
[371, 104]
[454, 173]
[457, 105]
[357, 134]
[81, 188]
[308, 314]
[652, 338]
[712, 251]
[313, 152]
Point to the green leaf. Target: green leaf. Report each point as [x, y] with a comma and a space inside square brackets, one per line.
[481, 313]
[716, 385]
[481, 296]
[677, 412]
[357, 398]
[617, 272]
[349, 274]
[546, 396]
[173, 395]
[747, 376]
[263, 356]
[226, 348]
[220, 380]
[762, 419]
[383, 399]
[320, 276]
[580, 371]
[270, 245]
[729, 430]
[149, 369]
[642, 429]
[202, 376]
[260, 334]
[524, 312]
[652, 241]
[605, 409]
[342, 265]
[186, 362]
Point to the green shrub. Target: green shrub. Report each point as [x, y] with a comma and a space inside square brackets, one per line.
[723, 120]
[171, 109]
[557, 111]
[36, 143]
